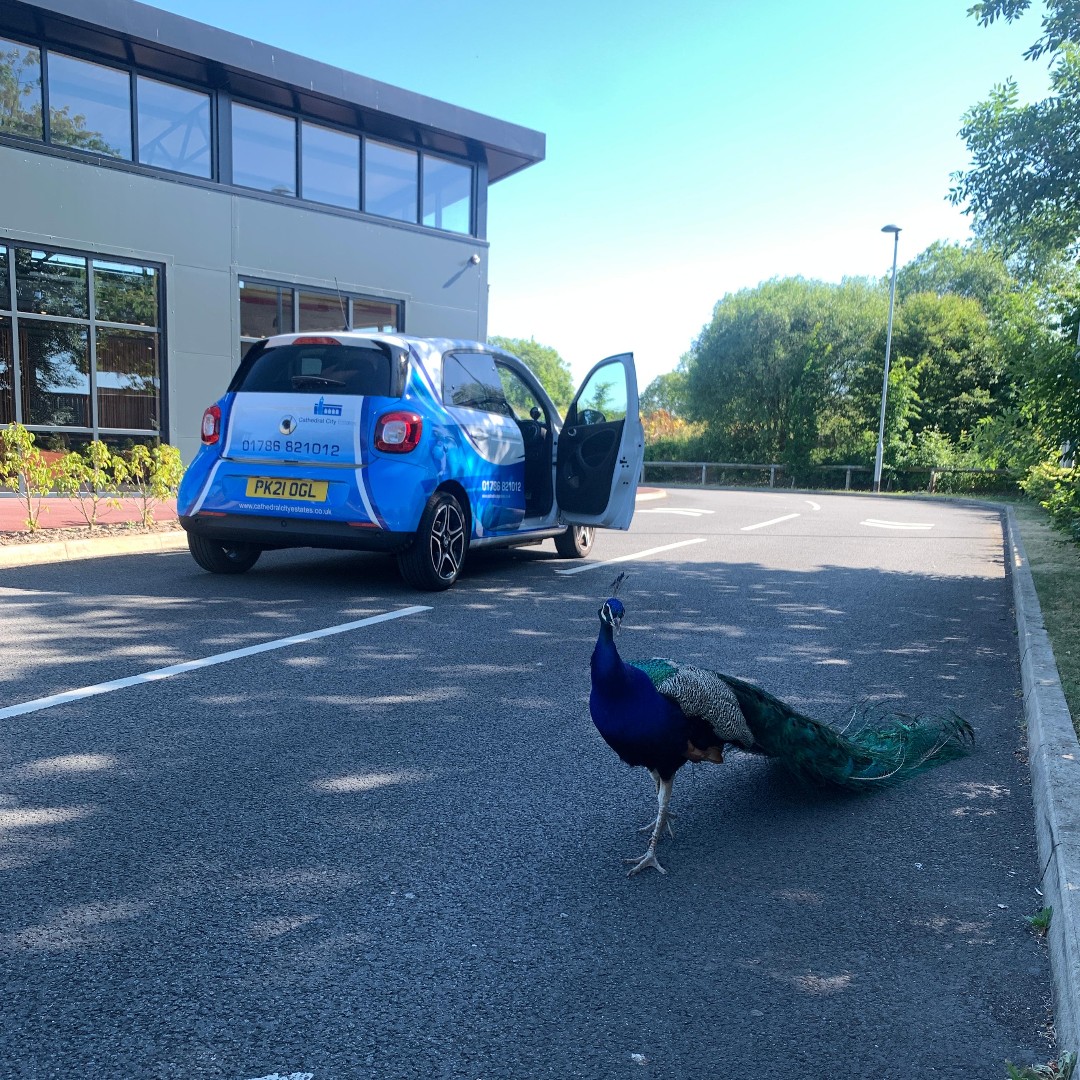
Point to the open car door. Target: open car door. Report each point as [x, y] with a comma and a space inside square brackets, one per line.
[601, 448]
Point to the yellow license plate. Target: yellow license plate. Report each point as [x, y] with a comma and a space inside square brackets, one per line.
[271, 487]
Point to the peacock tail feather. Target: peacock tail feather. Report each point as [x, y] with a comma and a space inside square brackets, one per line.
[880, 747]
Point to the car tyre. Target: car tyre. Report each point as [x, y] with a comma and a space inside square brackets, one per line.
[576, 542]
[223, 556]
[434, 559]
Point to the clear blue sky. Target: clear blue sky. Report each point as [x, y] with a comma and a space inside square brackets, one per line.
[693, 149]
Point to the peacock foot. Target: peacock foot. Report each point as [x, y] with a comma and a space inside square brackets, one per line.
[652, 825]
[643, 863]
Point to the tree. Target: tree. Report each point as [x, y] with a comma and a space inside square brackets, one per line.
[665, 393]
[977, 271]
[546, 364]
[1023, 187]
[1023, 191]
[785, 372]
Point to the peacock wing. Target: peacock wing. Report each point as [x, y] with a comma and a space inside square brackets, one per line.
[702, 693]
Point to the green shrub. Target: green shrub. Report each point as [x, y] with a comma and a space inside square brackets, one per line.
[154, 474]
[25, 469]
[1056, 490]
[89, 479]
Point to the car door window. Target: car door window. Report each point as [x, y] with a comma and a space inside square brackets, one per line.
[519, 395]
[602, 399]
[470, 381]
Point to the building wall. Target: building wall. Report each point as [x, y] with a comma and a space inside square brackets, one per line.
[208, 239]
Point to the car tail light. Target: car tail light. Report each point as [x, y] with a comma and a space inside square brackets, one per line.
[316, 341]
[211, 425]
[398, 432]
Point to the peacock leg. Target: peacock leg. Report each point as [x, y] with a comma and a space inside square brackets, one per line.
[663, 799]
[649, 826]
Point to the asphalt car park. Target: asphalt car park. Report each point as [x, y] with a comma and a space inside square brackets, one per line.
[395, 849]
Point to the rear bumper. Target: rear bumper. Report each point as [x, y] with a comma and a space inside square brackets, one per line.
[270, 532]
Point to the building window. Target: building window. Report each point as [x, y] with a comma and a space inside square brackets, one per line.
[174, 127]
[7, 372]
[20, 90]
[267, 309]
[330, 166]
[82, 345]
[391, 186]
[89, 106]
[263, 150]
[118, 112]
[447, 195]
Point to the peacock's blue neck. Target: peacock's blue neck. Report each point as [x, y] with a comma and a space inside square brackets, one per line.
[607, 666]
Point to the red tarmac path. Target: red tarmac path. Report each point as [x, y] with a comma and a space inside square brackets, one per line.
[58, 512]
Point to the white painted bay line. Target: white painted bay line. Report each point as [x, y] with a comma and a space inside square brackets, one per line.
[774, 521]
[636, 555]
[894, 524]
[194, 665]
[684, 511]
[813, 505]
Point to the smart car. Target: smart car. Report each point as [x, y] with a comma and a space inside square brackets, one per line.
[424, 448]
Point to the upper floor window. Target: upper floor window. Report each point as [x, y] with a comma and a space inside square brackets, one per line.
[391, 181]
[263, 150]
[89, 106]
[174, 127]
[447, 194]
[330, 166]
[20, 89]
[125, 114]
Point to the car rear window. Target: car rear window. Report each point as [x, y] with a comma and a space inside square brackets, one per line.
[344, 369]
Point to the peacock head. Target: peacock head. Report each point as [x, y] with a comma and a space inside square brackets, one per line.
[611, 614]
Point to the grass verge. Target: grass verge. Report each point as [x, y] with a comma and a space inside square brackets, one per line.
[1055, 569]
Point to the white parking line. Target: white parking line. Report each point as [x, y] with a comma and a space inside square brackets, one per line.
[628, 558]
[893, 524]
[685, 511]
[194, 665]
[813, 505]
[773, 521]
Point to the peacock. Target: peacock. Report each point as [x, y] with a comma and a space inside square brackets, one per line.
[660, 714]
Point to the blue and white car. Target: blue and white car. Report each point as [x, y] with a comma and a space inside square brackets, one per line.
[425, 448]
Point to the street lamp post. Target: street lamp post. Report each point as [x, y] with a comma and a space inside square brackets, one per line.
[895, 230]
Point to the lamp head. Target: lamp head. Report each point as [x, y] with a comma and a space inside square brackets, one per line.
[890, 228]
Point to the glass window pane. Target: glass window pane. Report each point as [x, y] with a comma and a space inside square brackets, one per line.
[20, 90]
[126, 294]
[471, 381]
[447, 195]
[7, 373]
[174, 127]
[263, 150]
[265, 310]
[337, 369]
[331, 167]
[5, 281]
[55, 374]
[321, 311]
[48, 283]
[89, 106]
[374, 315]
[390, 181]
[128, 382]
[603, 398]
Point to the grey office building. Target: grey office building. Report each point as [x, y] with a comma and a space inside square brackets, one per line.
[170, 192]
